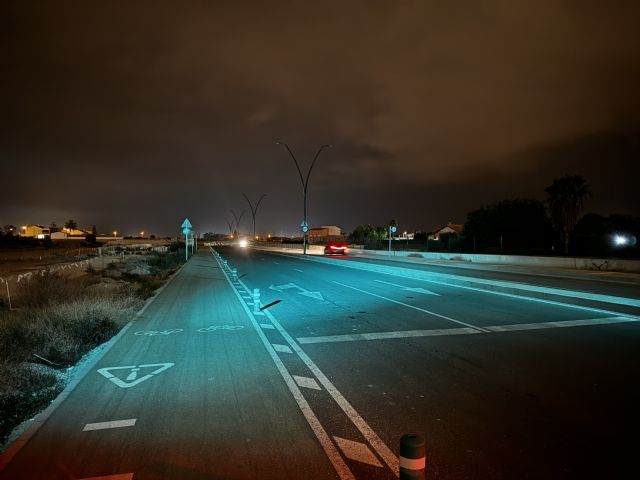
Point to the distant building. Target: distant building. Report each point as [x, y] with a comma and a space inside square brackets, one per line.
[325, 231]
[70, 234]
[35, 231]
[449, 228]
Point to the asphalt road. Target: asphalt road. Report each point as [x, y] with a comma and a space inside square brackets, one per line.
[323, 383]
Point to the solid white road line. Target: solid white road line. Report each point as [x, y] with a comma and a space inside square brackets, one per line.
[325, 441]
[354, 337]
[561, 324]
[367, 432]
[105, 425]
[412, 306]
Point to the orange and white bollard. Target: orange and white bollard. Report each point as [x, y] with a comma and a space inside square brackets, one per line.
[412, 457]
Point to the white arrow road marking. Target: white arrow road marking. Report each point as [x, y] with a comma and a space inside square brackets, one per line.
[306, 293]
[357, 451]
[132, 378]
[410, 289]
[114, 424]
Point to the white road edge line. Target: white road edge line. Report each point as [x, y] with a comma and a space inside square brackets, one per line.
[327, 445]
[480, 329]
[367, 432]
[113, 424]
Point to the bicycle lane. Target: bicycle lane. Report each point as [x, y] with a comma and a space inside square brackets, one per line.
[188, 391]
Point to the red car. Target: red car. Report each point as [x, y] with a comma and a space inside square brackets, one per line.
[334, 248]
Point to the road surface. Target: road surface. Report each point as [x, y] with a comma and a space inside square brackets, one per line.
[504, 383]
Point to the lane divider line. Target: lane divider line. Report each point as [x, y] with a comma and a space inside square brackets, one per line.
[354, 337]
[327, 445]
[444, 317]
[106, 425]
[367, 432]
[562, 324]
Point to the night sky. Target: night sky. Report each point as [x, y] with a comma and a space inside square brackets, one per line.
[133, 115]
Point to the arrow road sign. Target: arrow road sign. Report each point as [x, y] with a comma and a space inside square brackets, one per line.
[302, 291]
[410, 289]
[186, 224]
[131, 373]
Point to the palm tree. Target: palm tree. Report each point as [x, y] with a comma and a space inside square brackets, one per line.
[566, 196]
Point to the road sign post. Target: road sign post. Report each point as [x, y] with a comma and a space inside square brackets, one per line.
[305, 228]
[392, 229]
[186, 230]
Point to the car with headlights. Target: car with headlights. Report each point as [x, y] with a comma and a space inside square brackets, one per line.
[335, 248]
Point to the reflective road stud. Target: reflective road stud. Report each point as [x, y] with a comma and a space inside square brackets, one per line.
[256, 299]
[412, 457]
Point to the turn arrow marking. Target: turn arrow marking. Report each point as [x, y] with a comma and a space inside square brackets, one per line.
[306, 293]
[410, 289]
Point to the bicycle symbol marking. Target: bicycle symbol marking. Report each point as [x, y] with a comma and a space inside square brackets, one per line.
[153, 333]
[213, 328]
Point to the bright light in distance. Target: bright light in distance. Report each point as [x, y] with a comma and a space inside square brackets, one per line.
[621, 240]
[243, 243]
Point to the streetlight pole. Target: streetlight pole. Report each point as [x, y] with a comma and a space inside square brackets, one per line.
[238, 218]
[305, 184]
[254, 211]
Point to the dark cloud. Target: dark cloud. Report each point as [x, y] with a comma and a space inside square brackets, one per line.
[134, 114]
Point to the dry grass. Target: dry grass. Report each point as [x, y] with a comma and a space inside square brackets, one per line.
[60, 319]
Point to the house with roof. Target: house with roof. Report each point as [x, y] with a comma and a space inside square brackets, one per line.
[448, 229]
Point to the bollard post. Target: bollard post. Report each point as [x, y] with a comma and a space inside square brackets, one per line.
[256, 300]
[412, 457]
[234, 274]
[225, 264]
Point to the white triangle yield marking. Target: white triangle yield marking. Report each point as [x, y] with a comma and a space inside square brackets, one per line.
[132, 379]
[357, 451]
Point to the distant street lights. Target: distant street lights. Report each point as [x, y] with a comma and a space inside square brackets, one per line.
[305, 184]
[254, 211]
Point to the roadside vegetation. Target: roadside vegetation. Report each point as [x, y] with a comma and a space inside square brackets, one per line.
[56, 320]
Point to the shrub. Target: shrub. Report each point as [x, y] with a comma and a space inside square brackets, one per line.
[24, 391]
[62, 333]
[47, 289]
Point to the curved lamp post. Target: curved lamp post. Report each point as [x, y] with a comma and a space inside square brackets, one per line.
[254, 211]
[305, 184]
